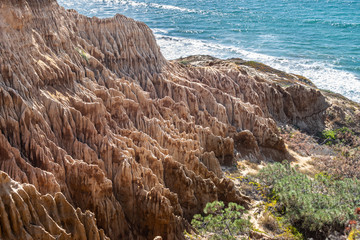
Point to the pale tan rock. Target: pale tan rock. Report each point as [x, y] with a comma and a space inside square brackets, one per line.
[26, 214]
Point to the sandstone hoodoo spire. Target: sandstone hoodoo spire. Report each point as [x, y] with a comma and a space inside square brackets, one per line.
[101, 137]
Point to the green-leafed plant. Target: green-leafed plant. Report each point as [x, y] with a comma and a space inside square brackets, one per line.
[316, 205]
[341, 135]
[83, 54]
[222, 222]
[329, 135]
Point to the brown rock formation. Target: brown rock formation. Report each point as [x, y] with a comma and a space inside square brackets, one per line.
[93, 117]
[26, 214]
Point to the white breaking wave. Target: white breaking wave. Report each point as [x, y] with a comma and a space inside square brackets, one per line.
[170, 7]
[128, 2]
[324, 75]
[158, 30]
[154, 5]
[134, 4]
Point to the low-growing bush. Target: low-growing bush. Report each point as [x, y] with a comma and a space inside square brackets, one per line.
[338, 136]
[220, 222]
[317, 206]
[329, 135]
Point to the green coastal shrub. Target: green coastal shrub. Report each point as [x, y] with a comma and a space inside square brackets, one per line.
[329, 135]
[221, 222]
[315, 205]
[341, 135]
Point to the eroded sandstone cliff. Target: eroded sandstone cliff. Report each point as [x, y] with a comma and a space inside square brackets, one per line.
[92, 117]
[26, 214]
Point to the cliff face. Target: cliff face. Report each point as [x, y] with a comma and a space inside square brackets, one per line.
[26, 214]
[93, 117]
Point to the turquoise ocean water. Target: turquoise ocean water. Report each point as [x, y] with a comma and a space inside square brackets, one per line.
[319, 39]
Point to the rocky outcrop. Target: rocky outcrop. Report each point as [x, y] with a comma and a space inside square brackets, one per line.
[92, 117]
[285, 98]
[26, 214]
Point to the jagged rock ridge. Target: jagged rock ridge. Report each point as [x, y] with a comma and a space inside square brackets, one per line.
[93, 117]
[26, 214]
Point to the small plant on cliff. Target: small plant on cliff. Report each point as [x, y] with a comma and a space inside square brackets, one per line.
[341, 135]
[221, 222]
[329, 135]
[83, 54]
